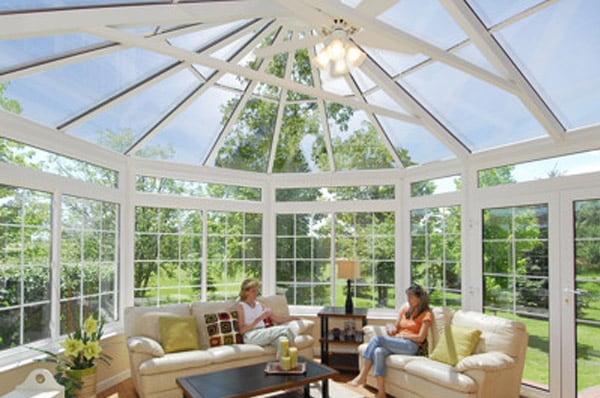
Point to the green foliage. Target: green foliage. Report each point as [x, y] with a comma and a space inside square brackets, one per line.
[8, 104]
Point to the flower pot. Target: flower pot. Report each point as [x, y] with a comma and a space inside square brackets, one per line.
[87, 378]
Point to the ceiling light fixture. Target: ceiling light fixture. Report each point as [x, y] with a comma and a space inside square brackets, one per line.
[340, 55]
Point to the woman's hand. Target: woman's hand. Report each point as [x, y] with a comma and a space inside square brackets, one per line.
[266, 313]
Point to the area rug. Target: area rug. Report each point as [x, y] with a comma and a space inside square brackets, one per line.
[336, 390]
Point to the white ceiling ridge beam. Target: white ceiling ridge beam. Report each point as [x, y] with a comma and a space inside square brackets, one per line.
[389, 33]
[69, 20]
[201, 59]
[375, 8]
[209, 83]
[406, 101]
[485, 42]
[212, 153]
[58, 61]
[386, 140]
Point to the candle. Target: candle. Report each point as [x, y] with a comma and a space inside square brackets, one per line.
[284, 345]
[285, 363]
[293, 357]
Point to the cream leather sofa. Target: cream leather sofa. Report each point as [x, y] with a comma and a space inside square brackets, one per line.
[154, 372]
[494, 370]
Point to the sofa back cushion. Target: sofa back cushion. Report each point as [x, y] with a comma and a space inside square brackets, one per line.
[278, 304]
[144, 321]
[199, 309]
[442, 317]
[497, 334]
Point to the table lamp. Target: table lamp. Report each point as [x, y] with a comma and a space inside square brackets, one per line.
[348, 269]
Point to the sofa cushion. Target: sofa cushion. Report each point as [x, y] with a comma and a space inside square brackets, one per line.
[498, 334]
[441, 374]
[455, 344]
[278, 304]
[178, 333]
[442, 317]
[143, 321]
[223, 328]
[236, 352]
[198, 310]
[175, 361]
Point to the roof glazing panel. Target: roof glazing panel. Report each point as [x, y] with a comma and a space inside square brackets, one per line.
[561, 58]
[21, 5]
[482, 116]
[189, 137]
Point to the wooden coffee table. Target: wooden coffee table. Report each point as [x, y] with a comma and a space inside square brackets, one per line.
[248, 381]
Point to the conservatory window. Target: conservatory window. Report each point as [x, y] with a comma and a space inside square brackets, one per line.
[515, 277]
[436, 253]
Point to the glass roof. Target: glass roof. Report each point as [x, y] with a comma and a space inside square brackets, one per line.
[231, 84]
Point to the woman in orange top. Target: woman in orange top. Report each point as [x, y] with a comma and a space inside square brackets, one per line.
[409, 333]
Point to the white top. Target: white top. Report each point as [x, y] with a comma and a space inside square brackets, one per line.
[252, 313]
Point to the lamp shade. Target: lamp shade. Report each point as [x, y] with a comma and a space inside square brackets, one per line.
[348, 269]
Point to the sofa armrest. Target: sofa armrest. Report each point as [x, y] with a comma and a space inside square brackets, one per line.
[145, 345]
[370, 331]
[487, 361]
[301, 326]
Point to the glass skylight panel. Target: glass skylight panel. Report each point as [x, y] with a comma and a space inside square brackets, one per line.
[205, 35]
[392, 62]
[301, 68]
[21, 5]
[472, 54]
[436, 186]
[427, 20]
[355, 142]
[413, 143]
[231, 49]
[56, 95]
[362, 80]
[336, 85]
[562, 62]
[301, 147]
[131, 118]
[248, 144]
[482, 116]
[189, 137]
[492, 12]
[233, 81]
[382, 99]
[25, 51]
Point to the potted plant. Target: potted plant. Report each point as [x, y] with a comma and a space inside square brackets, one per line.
[76, 365]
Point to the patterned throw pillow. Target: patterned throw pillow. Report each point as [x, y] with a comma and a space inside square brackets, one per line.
[223, 328]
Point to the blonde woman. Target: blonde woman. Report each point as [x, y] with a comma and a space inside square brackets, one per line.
[252, 318]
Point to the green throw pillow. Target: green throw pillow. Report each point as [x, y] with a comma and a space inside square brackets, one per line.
[454, 344]
[178, 333]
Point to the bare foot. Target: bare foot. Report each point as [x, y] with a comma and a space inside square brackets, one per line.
[357, 381]
[380, 394]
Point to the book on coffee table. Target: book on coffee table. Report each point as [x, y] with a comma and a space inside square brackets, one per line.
[275, 368]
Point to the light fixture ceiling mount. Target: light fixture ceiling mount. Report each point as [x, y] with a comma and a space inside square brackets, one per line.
[339, 55]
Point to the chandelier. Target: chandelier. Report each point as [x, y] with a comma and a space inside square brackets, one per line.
[339, 55]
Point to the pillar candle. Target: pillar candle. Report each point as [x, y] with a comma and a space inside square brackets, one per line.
[284, 345]
[293, 357]
[285, 363]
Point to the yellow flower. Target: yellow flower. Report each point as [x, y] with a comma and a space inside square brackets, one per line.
[72, 347]
[92, 350]
[90, 325]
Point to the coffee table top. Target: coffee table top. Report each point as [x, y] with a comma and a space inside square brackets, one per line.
[248, 381]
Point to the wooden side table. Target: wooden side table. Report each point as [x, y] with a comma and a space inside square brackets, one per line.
[343, 361]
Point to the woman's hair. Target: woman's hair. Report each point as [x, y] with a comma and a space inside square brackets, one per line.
[423, 297]
[247, 284]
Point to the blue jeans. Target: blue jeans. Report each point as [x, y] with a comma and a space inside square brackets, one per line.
[380, 347]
